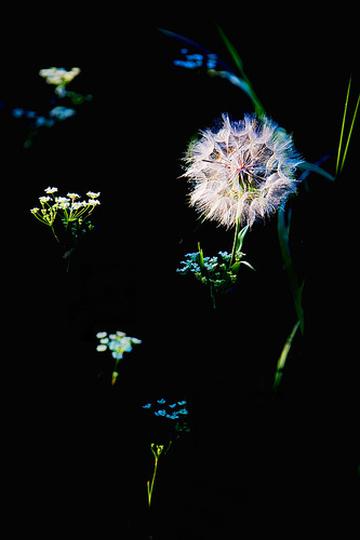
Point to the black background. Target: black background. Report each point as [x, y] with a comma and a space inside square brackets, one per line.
[79, 449]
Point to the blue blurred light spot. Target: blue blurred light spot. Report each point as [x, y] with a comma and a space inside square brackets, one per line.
[18, 113]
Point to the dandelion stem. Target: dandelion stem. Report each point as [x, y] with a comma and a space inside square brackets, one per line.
[233, 252]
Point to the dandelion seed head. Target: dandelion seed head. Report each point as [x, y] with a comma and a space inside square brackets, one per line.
[243, 170]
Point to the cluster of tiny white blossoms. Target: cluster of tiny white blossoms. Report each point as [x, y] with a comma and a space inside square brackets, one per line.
[71, 207]
[59, 76]
[118, 343]
[242, 171]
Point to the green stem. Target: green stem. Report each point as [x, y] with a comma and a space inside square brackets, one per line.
[150, 486]
[213, 298]
[54, 233]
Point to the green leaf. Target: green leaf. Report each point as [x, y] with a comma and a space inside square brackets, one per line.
[247, 264]
[235, 267]
[350, 134]
[296, 290]
[233, 52]
[343, 127]
[201, 256]
[283, 356]
[306, 166]
[259, 109]
[233, 79]
[240, 240]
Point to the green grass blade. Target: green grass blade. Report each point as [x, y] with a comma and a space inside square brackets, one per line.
[296, 289]
[283, 356]
[259, 109]
[233, 52]
[201, 256]
[350, 134]
[312, 167]
[342, 127]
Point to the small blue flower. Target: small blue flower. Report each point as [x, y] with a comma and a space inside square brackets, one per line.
[161, 401]
[160, 412]
[183, 411]
[172, 406]
[117, 355]
[147, 406]
[182, 402]
[40, 121]
[62, 113]
[172, 416]
[211, 61]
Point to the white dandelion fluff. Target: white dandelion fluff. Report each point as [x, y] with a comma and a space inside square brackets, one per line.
[242, 171]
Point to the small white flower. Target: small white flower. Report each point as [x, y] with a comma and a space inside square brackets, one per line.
[51, 190]
[93, 202]
[242, 171]
[93, 195]
[101, 335]
[73, 196]
[34, 210]
[136, 341]
[63, 205]
[61, 199]
[59, 76]
[101, 348]
[120, 334]
[77, 205]
[44, 199]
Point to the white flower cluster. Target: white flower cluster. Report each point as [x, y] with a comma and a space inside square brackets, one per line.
[242, 171]
[117, 343]
[71, 207]
[59, 76]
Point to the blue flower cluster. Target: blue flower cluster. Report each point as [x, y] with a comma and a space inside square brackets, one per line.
[196, 60]
[37, 119]
[214, 271]
[219, 273]
[171, 410]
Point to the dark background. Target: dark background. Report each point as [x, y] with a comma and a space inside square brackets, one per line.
[79, 449]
